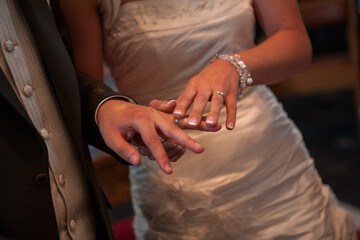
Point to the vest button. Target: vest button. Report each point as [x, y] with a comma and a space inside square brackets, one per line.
[41, 179]
[72, 225]
[9, 46]
[27, 90]
[62, 180]
[44, 134]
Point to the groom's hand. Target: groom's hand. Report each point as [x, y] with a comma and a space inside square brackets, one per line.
[119, 121]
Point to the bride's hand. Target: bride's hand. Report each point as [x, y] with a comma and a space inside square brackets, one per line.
[183, 123]
[217, 83]
[173, 149]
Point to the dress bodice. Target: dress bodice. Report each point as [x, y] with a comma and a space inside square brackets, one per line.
[154, 47]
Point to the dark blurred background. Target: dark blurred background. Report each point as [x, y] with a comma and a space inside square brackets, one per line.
[327, 109]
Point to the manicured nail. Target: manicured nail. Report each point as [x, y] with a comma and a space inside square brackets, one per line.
[231, 125]
[210, 120]
[178, 111]
[168, 168]
[171, 101]
[193, 121]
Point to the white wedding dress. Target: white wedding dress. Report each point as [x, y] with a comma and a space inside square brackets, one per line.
[254, 182]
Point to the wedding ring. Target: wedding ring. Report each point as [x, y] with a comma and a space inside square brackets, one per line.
[176, 121]
[218, 92]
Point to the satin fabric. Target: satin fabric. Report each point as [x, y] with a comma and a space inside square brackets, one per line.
[254, 182]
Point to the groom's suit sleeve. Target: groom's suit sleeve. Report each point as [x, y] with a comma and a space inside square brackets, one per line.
[92, 93]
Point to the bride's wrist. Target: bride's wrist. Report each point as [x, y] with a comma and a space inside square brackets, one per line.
[245, 78]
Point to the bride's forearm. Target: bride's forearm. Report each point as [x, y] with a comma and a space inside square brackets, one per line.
[84, 27]
[277, 58]
[287, 49]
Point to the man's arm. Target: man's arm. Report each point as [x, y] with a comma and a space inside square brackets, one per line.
[119, 120]
[92, 93]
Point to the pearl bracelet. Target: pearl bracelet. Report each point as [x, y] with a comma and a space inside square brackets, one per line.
[244, 74]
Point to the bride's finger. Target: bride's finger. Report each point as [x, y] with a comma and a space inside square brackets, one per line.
[217, 101]
[144, 151]
[173, 150]
[231, 110]
[176, 153]
[178, 135]
[184, 101]
[199, 105]
[183, 123]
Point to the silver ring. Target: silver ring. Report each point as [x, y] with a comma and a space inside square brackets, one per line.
[218, 92]
[176, 121]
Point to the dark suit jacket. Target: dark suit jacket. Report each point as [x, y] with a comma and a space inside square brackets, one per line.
[26, 208]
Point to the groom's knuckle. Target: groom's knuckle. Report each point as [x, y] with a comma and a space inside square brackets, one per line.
[142, 115]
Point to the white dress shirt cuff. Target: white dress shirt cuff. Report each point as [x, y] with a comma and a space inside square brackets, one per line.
[122, 97]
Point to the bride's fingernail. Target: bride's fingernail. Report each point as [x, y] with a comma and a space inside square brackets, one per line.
[171, 101]
[231, 125]
[177, 111]
[210, 120]
[193, 121]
